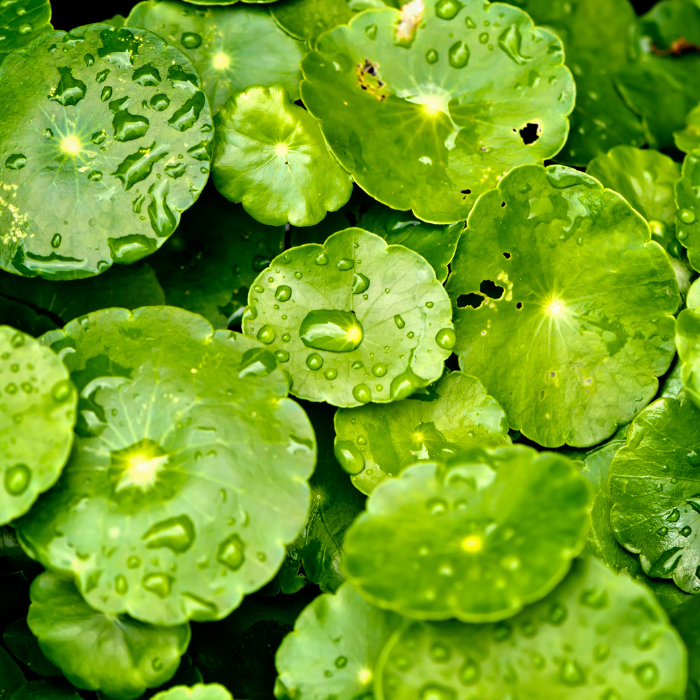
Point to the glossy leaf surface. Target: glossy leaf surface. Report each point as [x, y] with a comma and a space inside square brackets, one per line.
[21, 22]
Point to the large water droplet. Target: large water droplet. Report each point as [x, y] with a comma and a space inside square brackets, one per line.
[362, 393]
[446, 338]
[147, 75]
[283, 293]
[404, 384]
[175, 533]
[360, 283]
[400, 323]
[159, 584]
[458, 55]
[379, 370]
[572, 674]
[693, 458]
[16, 161]
[314, 361]
[231, 553]
[348, 456]
[647, 674]
[69, 90]
[266, 334]
[687, 216]
[17, 479]
[190, 40]
[447, 9]
[333, 331]
[160, 102]
[346, 264]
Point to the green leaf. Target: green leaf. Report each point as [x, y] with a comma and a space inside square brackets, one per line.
[23, 644]
[382, 440]
[126, 287]
[180, 514]
[688, 344]
[594, 34]
[12, 556]
[308, 19]
[24, 318]
[601, 541]
[212, 259]
[659, 82]
[414, 127]
[573, 319]
[335, 503]
[21, 22]
[11, 677]
[686, 619]
[198, 692]
[596, 635]
[468, 538]
[232, 48]
[437, 244]
[334, 648]
[688, 203]
[239, 652]
[356, 320]
[37, 412]
[46, 690]
[270, 155]
[653, 486]
[115, 654]
[688, 139]
[106, 139]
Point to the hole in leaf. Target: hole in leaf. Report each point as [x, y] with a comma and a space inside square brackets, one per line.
[467, 191]
[471, 299]
[491, 290]
[503, 204]
[530, 133]
[519, 305]
[506, 256]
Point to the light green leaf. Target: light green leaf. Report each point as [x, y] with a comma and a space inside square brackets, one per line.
[402, 112]
[354, 320]
[659, 82]
[573, 320]
[653, 486]
[476, 537]
[115, 654]
[126, 287]
[209, 263]
[308, 19]
[198, 692]
[688, 344]
[232, 48]
[270, 155]
[377, 442]
[688, 139]
[21, 21]
[596, 635]
[688, 203]
[105, 140]
[334, 648]
[594, 34]
[190, 467]
[37, 415]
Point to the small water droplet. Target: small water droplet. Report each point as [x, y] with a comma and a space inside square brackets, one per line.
[231, 553]
[687, 216]
[379, 370]
[371, 31]
[362, 393]
[24, 29]
[191, 40]
[686, 531]
[282, 356]
[61, 391]
[283, 293]
[121, 585]
[17, 340]
[400, 323]
[346, 264]
[647, 674]
[266, 334]
[330, 374]
[314, 362]
[17, 479]
[56, 240]
[321, 259]
[341, 662]
[348, 456]
[693, 458]
[159, 584]
[572, 674]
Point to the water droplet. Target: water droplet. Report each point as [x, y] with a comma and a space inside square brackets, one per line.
[120, 585]
[360, 283]
[190, 40]
[260, 262]
[440, 653]
[24, 29]
[231, 552]
[470, 673]
[321, 259]
[687, 216]
[595, 598]
[431, 56]
[286, 337]
[436, 506]
[157, 664]
[159, 584]
[346, 264]
[177, 534]
[17, 479]
[266, 334]
[258, 288]
[371, 31]
[447, 9]
[400, 323]
[160, 102]
[330, 374]
[572, 674]
[341, 662]
[662, 531]
[647, 674]
[686, 531]
[56, 240]
[16, 161]
[283, 293]
[435, 691]
[693, 458]
[458, 55]
[69, 90]
[17, 340]
[557, 614]
[334, 331]
[446, 338]
[348, 456]
[314, 361]
[282, 356]
[133, 562]
[600, 653]
[404, 384]
[379, 370]
[673, 516]
[362, 393]
[61, 391]
[106, 93]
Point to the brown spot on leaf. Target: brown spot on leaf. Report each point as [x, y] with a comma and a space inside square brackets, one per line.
[369, 80]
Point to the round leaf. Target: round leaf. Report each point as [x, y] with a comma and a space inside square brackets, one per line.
[564, 305]
[653, 485]
[118, 655]
[375, 442]
[468, 538]
[21, 21]
[232, 48]
[190, 467]
[37, 415]
[334, 648]
[401, 102]
[308, 19]
[688, 203]
[12, 676]
[594, 34]
[212, 691]
[596, 635]
[105, 140]
[354, 320]
[688, 344]
[23, 644]
[688, 139]
[209, 263]
[270, 155]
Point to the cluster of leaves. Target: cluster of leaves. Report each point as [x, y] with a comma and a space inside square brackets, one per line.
[402, 402]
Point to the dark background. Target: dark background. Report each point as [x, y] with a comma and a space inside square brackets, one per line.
[67, 14]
